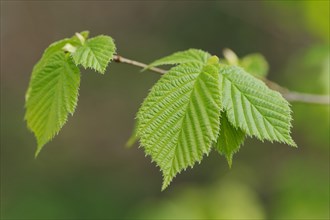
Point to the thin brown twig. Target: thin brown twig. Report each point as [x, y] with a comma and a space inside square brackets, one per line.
[290, 96]
[120, 59]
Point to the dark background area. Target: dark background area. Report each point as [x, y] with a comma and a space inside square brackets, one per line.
[87, 173]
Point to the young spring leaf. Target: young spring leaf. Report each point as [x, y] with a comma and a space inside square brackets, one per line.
[253, 107]
[52, 95]
[134, 136]
[187, 56]
[95, 53]
[255, 64]
[53, 48]
[230, 139]
[179, 120]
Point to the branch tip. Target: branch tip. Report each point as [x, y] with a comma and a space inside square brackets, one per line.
[290, 96]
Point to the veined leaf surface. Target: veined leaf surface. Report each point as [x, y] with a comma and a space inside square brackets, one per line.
[95, 53]
[230, 139]
[53, 94]
[187, 56]
[254, 108]
[179, 119]
[49, 52]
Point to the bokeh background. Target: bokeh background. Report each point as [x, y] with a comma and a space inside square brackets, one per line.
[87, 173]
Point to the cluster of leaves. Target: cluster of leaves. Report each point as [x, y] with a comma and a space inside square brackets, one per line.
[53, 90]
[199, 104]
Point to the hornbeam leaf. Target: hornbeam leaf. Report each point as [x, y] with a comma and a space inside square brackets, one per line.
[255, 64]
[230, 139]
[180, 118]
[254, 108]
[53, 94]
[133, 138]
[49, 52]
[187, 56]
[95, 53]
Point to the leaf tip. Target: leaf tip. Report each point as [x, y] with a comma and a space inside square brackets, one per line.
[85, 34]
[292, 143]
[81, 38]
[230, 160]
[146, 68]
[213, 60]
[36, 154]
[166, 182]
[131, 141]
[164, 186]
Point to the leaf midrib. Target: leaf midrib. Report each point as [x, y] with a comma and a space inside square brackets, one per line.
[184, 118]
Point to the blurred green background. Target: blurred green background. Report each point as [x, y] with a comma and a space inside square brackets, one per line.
[87, 173]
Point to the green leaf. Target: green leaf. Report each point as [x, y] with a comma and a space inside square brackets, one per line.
[134, 136]
[75, 41]
[255, 64]
[38, 72]
[187, 56]
[230, 139]
[85, 34]
[53, 94]
[180, 118]
[53, 48]
[95, 53]
[253, 107]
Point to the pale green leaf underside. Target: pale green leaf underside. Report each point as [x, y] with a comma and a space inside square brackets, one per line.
[53, 94]
[95, 53]
[229, 140]
[253, 107]
[179, 119]
[187, 56]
